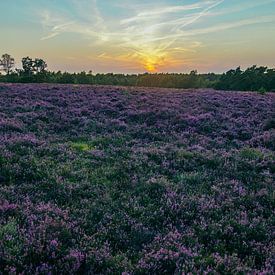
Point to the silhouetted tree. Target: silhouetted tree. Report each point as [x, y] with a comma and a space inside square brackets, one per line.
[252, 79]
[39, 65]
[7, 63]
[27, 65]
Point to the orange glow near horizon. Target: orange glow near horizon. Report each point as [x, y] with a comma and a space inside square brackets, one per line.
[150, 68]
[152, 60]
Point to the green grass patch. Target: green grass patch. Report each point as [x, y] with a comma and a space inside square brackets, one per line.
[192, 178]
[10, 238]
[81, 146]
[183, 154]
[251, 154]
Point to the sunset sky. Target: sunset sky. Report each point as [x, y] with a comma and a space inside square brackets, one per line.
[133, 36]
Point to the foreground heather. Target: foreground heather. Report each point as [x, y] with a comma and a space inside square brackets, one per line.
[106, 180]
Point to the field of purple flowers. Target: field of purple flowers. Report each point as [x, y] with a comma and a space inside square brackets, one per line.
[110, 180]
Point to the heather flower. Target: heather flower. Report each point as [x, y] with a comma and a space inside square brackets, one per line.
[104, 180]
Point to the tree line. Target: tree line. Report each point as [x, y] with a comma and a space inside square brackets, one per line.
[255, 78]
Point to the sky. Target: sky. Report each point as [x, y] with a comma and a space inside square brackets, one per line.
[136, 36]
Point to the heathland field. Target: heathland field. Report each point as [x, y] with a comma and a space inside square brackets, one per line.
[106, 180]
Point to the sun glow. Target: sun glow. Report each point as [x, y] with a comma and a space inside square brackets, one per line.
[152, 60]
[150, 67]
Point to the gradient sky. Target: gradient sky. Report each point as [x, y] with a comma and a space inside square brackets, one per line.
[132, 36]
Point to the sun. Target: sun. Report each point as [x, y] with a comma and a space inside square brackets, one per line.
[151, 68]
[152, 59]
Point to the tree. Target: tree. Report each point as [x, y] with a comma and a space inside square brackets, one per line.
[39, 65]
[7, 62]
[27, 65]
[30, 66]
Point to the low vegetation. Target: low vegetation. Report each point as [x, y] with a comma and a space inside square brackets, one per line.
[106, 180]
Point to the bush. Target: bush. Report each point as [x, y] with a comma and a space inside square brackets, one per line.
[262, 91]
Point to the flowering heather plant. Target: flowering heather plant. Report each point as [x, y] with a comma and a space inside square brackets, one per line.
[113, 180]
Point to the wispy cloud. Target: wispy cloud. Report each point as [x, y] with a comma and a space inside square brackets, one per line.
[151, 37]
[147, 15]
[230, 25]
[58, 29]
[242, 6]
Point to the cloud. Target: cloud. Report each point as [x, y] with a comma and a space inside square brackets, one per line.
[230, 25]
[149, 36]
[147, 15]
[57, 29]
[52, 35]
[243, 6]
